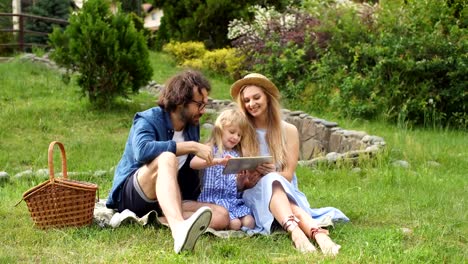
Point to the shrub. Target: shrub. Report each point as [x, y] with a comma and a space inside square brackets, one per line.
[401, 60]
[406, 64]
[224, 61]
[279, 45]
[193, 63]
[183, 51]
[139, 24]
[106, 50]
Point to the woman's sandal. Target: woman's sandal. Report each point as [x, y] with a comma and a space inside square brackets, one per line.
[289, 224]
[329, 251]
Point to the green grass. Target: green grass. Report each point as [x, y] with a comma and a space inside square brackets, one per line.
[398, 215]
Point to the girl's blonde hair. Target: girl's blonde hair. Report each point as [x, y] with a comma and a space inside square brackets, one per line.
[274, 132]
[234, 117]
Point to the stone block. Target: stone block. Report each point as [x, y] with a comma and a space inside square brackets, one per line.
[335, 141]
[308, 129]
[311, 148]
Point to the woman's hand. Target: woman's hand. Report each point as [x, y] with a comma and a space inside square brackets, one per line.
[247, 179]
[266, 168]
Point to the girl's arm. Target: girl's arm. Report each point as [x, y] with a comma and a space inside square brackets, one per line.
[197, 163]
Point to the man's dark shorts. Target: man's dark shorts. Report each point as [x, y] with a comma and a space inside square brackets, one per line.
[135, 200]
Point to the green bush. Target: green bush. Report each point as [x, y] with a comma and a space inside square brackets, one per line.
[192, 54]
[106, 50]
[183, 51]
[193, 63]
[406, 63]
[279, 45]
[224, 61]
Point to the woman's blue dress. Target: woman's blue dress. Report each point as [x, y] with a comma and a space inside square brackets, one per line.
[258, 197]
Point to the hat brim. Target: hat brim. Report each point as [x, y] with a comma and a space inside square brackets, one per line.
[257, 81]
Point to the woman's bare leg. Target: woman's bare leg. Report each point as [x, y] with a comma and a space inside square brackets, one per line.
[307, 223]
[280, 207]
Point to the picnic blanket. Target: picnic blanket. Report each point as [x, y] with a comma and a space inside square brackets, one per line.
[109, 218]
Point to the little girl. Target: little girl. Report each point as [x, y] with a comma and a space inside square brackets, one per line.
[231, 137]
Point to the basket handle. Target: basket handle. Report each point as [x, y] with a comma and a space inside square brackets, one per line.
[51, 160]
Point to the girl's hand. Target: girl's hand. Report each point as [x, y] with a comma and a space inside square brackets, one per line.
[221, 161]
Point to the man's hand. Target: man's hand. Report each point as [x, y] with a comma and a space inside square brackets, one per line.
[204, 152]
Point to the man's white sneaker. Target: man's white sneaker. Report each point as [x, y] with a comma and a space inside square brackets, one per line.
[191, 230]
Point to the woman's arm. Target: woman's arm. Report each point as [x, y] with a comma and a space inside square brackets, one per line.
[292, 150]
[291, 136]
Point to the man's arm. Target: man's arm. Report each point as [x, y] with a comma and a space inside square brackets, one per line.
[148, 143]
[200, 150]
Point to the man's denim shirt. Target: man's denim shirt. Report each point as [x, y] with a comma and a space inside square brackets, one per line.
[150, 135]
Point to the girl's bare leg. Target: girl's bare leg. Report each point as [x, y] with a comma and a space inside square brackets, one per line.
[220, 219]
[307, 224]
[235, 224]
[248, 221]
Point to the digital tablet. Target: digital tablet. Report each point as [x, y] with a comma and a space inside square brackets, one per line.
[238, 164]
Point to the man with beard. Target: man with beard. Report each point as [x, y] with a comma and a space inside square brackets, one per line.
[154, 172]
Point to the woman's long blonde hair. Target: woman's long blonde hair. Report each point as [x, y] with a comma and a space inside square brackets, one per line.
[274, 131]
[234, 117]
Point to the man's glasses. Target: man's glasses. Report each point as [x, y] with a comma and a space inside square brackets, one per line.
[201, 105]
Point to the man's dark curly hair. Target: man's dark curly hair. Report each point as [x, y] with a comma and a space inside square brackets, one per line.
[179, 89]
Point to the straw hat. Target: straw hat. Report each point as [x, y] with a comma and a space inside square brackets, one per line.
[254, 79]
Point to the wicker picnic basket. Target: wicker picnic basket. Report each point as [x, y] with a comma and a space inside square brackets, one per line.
[61, 202]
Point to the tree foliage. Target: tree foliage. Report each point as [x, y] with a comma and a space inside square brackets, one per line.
[109, 54]
[131, 6]
[5, 23]
[46, 8]
[206, 20]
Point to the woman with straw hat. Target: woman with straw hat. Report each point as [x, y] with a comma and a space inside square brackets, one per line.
[276, 199]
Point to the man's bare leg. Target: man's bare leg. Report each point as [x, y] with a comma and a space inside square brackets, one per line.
[158, 181]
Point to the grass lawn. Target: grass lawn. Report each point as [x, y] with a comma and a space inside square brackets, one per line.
[398, 215]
